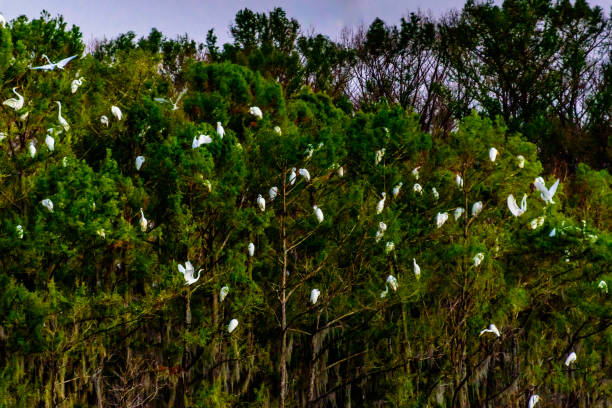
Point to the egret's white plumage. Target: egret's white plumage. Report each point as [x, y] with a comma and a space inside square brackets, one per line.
[389, 247]
[493, 154]
[19, 230]
[104, 120]
[458, 180]
[292, 176]
[441, 219]
[223, 293]
[340, 171]
[381, 204]
[74, 86]
[50, 142]
[170, 101]
[397, 188]
[60, 118]
[318, 214]
[521, 161]
[545, 193]
[251, 249]
[379, 155]
[553, 233]
[603, 286]
[273, 193]
[261, 203]
[571, 358]
[417, 188]
[382, 227]
[200, 140]
[278, 130]
[305, 174]
[48, 204]
[416, 268]
[514, 208]
[314, 296]
[188, 272]
[533, 400]
[2, 21]
[143, 221]
[14, 103]
[220, 130]
[476, 208]
[435, 193]
[52, 65]
[458, 212]
[139, 161]
[392, 282]
[32, 149]
[536, 222]
[415, 172]
[116, 112]
[492, 329]
[255, 111]
[232, 325]
[478, 259]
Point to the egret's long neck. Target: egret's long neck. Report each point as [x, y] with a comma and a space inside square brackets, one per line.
[60, 108]
[47, 58]
[198, 274]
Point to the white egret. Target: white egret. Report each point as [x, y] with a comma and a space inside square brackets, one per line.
[255, 111]
[533, 400]
[318, 214]
[385, 292]
[50, 142]
[476, 208]
[139, 161]
[74, 86]
[389, 247]
[492, 329]
[14, 103]
[553, 232]
[104, 120]
[232, 325]
[458, 180]
[571, 358]
[52, 65]
[397, 188]
[416, 268]
[314, 296]
[415, 172]
[305, 174]
[309, 152]
[60, 118]
[391, 281]
[603, 286]
[536, 222]
[116, 112]
[188, 272]
[251, 249]
[32, 149]
[458, 212]
[514, 208]
[200, 140]
[273, 193]
[521, 161]
[208, 185]
[65, 161]
[220, 130]
[417, 188]
[278, 130]
[435, 193]
[19, 230]
[292, 176]
[261, 203]
[478, 259]
[170, 101]
[441, 219]
[340, 171]
[24, 116]
[2, 136]
[381, 204]
[382, 227]
[48, 204]
[223, 293]
[379, 155]
[493, 154]
[143, 222]
[101, 233]
[2, 21]
[546, 194]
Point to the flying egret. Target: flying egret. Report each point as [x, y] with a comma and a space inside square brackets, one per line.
[200, 140]
[255, 111]
[232, 325]
[476, 208]
[52, 65]
[458, 212]
[416, 268]
[32, 149]
[492, 329]
[435, 193]
[292, 176]
[478, 258]
[441, 219]
[415, 172]
[533, 400]
[546, 194]
[223, 293]
[571, 358]
[251, 249]
[50, 142]
[458, 180]
[514, 208]
[261, 203]
[14, 103]
[19, 230]
[603, 286]
[305, 174]
[170, 101]
[417, 188]
[493, 154]
[382, 227]
[220, 130]
[391, 281]
[116, 112]
[74, 86]
[139, 161]
[379, 155]
[397, 188]
[521, 161]
[104, 120]
[273, 193]
[278, 130]
[188, 272]
[389, 246]
[60, 118]
[536, 222]
[318, 214]
[48, 204]
[381, 204]
[314, 296]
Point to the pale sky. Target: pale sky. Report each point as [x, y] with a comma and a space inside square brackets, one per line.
[107, 18]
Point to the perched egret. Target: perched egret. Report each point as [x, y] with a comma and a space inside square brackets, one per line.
[417, 188]
[305, 174]
[458, 212]
[603, 286]
[415, 172]
[292, 176]
[493, 154]
[521, 161]
[435, 193]
[396, 189]
[14, 103]
[200, 140]
[220, 130]
[223, 293]
[553, 232]
[104, 120]
[385, 292]
[278, 130]
[116, 112]
[255, 111]
[381, 204]
[232, 325]
[382, 227]
[533, 400]
[261, 203]
[570, 359]
[101, 233]
[546, 194]
[143, 221]
[170, 101]
[19, 230]
[273, 193]
[416, 268]
[314, 296]
[48, 204]
[318, 214]
[492, 329]
[74, 86]
[208, 185]
[514, 208]
[391, 281]
[50, 142]
[52, 65]
[441, 219]
[139, 161]
[536, 222]
[251, 249]
[32, 149]
[188, 272]
[478, 258]
[458, 180]
[389, 247]
[340, 171]
[476, 208]
[60, 118]
[379, 155]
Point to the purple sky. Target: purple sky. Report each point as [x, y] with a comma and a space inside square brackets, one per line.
[101, 18]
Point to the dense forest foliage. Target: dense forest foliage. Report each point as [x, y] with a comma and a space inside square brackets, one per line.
[290, 221]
